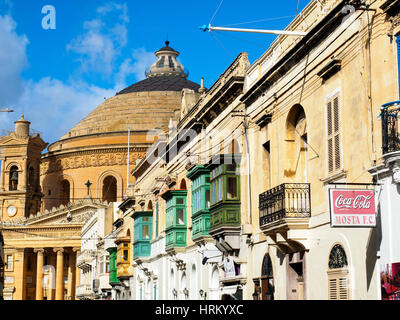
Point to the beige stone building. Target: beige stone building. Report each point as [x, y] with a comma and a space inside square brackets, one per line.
[249, 167]
[45, 199]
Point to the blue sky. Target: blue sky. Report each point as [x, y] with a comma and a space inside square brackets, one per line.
[56, 77]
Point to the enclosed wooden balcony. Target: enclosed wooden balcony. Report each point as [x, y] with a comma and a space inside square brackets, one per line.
[123, 258]
[284, 207]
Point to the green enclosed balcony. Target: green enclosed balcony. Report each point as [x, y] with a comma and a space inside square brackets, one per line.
[176, 226]
[200, 177]
[113, 279]
[143, 225]
[225, 194]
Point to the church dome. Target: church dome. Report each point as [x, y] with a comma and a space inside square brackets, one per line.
[145, 105]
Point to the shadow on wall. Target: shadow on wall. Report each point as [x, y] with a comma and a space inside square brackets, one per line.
[373, 245]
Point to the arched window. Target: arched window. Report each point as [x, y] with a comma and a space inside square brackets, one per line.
[214, 284]
[183, 289]
[338, 274]
[172, 289]
[234, 148]
[296, 145]
[110, 189]
[65, 192]
[193, 283]
[13, 182]
[183, 184]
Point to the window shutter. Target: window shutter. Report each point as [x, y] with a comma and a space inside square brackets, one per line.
[338, 288]
[343, 289]
[330, 139]
[333, 292]
[334, 139]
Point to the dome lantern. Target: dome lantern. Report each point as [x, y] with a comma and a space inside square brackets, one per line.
[166, 63]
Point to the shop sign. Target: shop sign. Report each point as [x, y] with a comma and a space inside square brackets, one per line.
[352, 208]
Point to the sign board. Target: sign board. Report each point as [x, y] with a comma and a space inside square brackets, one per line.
[352, 208]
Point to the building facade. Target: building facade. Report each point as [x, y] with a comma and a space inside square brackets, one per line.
[230, 194]
[247, 170]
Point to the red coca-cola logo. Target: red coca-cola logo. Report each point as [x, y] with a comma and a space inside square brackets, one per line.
[359, 202]
[353, 201]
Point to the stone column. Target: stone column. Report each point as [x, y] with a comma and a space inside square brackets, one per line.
[77, 271]
[60, 274]
[2, 184]
[71, 277]
[19, 271]
[22, 181]
[39, 273]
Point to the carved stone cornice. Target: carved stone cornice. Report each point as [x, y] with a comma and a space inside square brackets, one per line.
[89, 158]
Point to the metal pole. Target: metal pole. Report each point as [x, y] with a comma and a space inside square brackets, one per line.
[127, 168]
[277, 32]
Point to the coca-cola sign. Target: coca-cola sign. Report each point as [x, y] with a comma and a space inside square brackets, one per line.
[350, 207]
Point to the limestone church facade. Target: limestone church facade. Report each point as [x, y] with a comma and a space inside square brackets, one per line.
[46, 198]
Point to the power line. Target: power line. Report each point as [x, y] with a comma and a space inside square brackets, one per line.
[256, 21]
[216, 11]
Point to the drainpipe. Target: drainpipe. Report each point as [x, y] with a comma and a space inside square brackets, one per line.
[245, 125]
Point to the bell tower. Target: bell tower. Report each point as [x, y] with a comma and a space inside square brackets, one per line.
[20, 192]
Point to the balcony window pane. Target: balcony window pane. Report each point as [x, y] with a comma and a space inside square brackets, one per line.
[125, 257]
[145, 232]
[179, 216]
[232, 188]
[207, 199]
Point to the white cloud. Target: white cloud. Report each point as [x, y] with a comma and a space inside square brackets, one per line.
[54, 106]
[12, 61]
[103, 39]
[139, 62]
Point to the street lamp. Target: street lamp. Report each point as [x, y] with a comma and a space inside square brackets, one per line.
[6, 110]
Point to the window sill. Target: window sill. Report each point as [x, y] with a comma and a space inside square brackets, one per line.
[336, 176]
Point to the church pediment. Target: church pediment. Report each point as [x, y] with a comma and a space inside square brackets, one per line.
[76, 214]
[12, 139]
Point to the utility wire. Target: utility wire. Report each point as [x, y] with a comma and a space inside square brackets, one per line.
[261, 20]
[219, 42]
[298, 5]
[216, 11]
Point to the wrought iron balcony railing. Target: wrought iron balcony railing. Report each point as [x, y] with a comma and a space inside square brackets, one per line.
[287, 200]
[390, 113]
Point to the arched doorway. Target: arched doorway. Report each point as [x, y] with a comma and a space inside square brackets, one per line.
[267, 279]
[109, 189]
